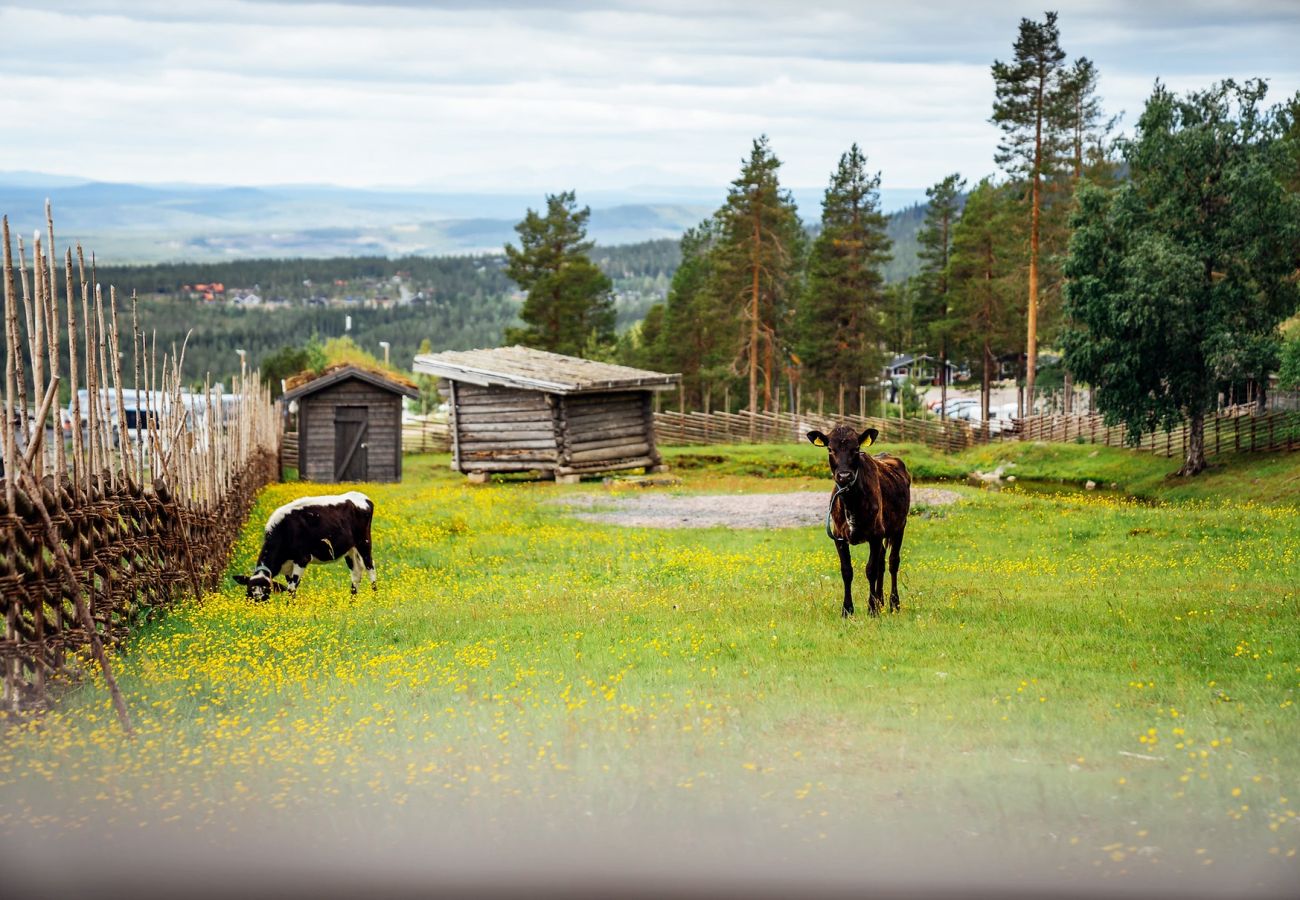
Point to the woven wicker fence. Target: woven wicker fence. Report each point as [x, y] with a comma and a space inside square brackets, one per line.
[136, 502]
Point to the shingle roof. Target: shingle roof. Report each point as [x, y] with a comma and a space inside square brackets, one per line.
[538, 370]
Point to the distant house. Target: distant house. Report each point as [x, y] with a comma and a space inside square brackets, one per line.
[921, 368]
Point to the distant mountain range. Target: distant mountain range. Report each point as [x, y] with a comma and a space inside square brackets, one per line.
[132, 223]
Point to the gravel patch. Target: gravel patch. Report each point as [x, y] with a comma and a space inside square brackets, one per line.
[791, 510]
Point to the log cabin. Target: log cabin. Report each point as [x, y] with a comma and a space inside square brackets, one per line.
[515, 409]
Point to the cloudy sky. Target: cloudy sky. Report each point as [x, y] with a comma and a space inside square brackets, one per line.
[511, 95]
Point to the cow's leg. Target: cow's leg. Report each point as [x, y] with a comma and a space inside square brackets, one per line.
[299, 566]
[363, 549]
[876, 577]
[895, 552]
[353, 560]
[846, 572]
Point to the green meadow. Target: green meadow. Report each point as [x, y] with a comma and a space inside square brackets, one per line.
[1079, 683]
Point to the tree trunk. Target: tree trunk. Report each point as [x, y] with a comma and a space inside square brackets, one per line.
[1035, 202]
[1195, 461]
[985, 387]
[943, 380]
[753, 329]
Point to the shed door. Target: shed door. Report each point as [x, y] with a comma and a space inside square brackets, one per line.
[350, 426]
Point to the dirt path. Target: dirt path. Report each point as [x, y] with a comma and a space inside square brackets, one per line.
[794, 510]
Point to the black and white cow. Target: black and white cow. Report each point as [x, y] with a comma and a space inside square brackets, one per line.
[313, 529]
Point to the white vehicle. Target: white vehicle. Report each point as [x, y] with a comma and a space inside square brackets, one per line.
[997, 423]
[954, 406]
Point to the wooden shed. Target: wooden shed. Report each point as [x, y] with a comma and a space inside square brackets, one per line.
[350, 425]
[515, 409]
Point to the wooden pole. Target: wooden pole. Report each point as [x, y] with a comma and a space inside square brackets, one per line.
[78, 461]
[101, 378]
[52, 332]
[10, 463]
[20, 373]
[34, 446]
[36, 346]
[123, 436]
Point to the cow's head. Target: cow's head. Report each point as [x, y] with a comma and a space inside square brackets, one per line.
[844, 446]
[260, 584]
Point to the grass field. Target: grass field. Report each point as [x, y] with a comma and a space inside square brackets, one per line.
[1078, 686]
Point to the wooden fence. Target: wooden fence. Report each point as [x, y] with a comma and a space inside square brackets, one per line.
[732, 428]
[1234, 430]
[426, 436]
[1231, 431]
[144, 503]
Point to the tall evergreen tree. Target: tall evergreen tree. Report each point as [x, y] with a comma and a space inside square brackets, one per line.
[898, 322]
[1178, 279]
[840, 307]
[698, 325]
[936, 246]
[569, 302]
[1084, 155]
[755, 266]
[1027, 108]
[982, 270]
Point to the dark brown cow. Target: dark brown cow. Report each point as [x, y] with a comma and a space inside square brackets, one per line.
[870, 504]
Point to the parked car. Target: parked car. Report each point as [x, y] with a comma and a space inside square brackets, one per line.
[956, 404]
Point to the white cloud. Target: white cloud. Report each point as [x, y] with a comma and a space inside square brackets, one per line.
[522, 97]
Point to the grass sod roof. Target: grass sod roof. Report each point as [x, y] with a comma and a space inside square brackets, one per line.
[538, 370]
[310, 382]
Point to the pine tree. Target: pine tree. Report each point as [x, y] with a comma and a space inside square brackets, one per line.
[1028, 109]
[898, 320]
[935, 238]
[841, 304]
[698, 325]
[569, 303]
[986, 251]
[1084, 154]
[755, 264]
[1179, 278]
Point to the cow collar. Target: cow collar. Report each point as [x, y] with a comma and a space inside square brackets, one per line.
[839, 492]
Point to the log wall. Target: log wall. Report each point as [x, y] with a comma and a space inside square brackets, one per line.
[501, 430]
[606, 432]
[509, 430]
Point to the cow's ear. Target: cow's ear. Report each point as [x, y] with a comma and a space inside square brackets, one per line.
[277, 587]
[868, 437]
[240, 579]
[817, 438]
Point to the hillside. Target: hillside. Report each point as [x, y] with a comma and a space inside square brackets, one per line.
[141, 224]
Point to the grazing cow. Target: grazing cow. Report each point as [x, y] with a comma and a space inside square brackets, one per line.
[872, 497]
[310, 529]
